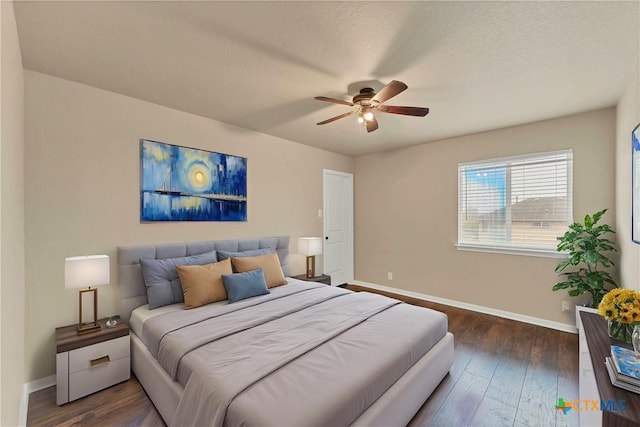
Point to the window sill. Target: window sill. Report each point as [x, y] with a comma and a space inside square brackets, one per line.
[511, 250]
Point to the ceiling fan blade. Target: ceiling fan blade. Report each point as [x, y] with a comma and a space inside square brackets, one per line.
[333, 119]
[334, 101]
[407, 111]
[372, 124]
[389, 91]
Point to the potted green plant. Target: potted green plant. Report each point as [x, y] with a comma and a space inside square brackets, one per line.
[587, 247]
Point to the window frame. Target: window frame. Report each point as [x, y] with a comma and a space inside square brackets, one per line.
[511, 248]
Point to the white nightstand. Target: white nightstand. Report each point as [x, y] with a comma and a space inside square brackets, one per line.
[88, 363]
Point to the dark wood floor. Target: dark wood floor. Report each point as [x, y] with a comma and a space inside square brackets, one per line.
[124, 404]
[505, 373]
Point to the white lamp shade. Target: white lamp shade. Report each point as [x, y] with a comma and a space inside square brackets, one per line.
[310, 246]
[85, 271]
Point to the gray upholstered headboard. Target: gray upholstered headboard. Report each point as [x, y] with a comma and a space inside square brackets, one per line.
[133, 293]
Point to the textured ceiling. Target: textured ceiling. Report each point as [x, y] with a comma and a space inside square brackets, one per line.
[476, 65]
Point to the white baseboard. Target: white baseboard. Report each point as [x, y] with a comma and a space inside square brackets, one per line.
[473, 307]
[29, 388]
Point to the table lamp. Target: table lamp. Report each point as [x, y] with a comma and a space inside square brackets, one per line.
[310, 246]
[85, 272]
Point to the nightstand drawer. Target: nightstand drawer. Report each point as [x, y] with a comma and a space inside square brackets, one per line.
[98, 377]
[102, 353]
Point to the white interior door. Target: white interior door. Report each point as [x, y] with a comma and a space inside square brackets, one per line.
[338, 226]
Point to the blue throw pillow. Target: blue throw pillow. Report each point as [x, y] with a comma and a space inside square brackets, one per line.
[240, 286]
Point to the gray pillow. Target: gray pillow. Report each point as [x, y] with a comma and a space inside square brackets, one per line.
[245, 285]
[222, 255]
[161, 277]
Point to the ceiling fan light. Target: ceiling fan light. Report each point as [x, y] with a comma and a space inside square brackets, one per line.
[368, 115]
[360, 119]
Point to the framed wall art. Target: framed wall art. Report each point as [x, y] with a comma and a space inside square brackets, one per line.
[635, 184]
[186, 184]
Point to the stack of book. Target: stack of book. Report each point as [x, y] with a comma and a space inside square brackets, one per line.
[624, 368]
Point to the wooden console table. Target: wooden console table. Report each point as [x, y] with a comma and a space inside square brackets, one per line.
[599, 343]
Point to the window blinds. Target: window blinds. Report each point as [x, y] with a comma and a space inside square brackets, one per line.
[521, 202]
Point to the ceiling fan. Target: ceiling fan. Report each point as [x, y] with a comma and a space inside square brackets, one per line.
[367, 101]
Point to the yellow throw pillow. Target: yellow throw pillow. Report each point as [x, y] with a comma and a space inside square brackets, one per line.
[202, 284]
[270, 265]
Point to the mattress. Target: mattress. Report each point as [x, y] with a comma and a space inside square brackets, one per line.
[306, 354]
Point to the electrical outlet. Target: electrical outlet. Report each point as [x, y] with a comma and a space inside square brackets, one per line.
[319, 213]
[565, 306]
[389, 276]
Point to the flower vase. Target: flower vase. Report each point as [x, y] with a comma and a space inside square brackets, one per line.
[635, 340]
[620, 331]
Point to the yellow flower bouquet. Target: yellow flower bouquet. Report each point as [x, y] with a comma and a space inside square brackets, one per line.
[621, 307]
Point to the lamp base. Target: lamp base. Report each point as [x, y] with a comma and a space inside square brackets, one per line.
[88, 328]
[311, 266]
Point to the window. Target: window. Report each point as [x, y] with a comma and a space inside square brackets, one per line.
[515, 204]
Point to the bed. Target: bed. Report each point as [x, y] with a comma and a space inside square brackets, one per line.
[303, 354]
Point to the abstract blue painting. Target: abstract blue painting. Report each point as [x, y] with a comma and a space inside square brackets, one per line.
[185, 184]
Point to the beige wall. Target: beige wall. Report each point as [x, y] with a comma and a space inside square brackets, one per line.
[82, 191]
[406, 214]
[627, 117]
[12, 270]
